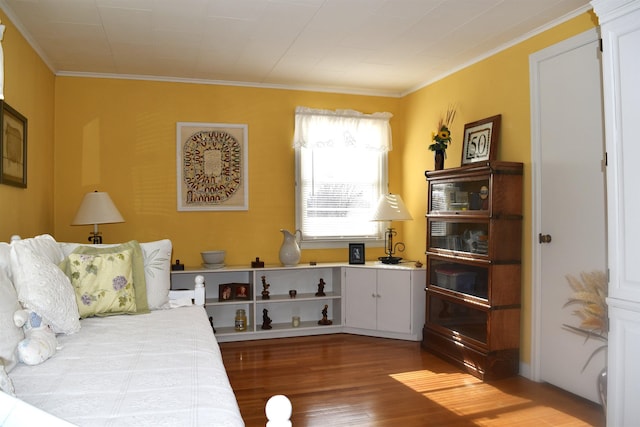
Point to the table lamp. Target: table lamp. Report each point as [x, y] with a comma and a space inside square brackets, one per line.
[391, 208]
[97, 208]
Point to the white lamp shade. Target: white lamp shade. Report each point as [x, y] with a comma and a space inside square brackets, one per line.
[391, 208]
[97, 208]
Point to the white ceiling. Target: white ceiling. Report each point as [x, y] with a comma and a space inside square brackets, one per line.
[386, 47]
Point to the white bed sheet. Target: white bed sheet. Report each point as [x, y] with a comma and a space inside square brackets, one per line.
[158, 369]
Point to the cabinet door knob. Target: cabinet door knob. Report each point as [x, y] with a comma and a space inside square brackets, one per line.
[544, 238]
[373, 295]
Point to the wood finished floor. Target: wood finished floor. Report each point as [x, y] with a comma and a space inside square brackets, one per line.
[349, 380]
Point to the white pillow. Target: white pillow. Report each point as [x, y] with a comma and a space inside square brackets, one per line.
[157, 269]
[10, 334]
[45, 246]
[44, 288]
[157, 272]
[5, 260]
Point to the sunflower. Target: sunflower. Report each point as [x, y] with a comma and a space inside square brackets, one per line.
[442, 138]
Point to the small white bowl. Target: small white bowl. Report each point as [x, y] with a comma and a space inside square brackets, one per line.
[213, 257]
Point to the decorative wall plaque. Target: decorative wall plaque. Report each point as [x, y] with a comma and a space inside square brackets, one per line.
[212, 162]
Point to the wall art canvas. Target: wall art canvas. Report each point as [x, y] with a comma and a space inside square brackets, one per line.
[212, 167]
[13, 146]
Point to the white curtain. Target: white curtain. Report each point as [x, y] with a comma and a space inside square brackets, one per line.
[342, 129]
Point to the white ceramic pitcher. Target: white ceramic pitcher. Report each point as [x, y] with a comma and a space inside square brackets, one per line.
[289, 251]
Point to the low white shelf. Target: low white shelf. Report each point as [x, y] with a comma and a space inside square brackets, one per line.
[408, 299]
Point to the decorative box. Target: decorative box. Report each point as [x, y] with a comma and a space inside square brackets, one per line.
[455, 279]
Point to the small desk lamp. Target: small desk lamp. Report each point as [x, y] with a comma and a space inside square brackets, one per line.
[391, 208]
[97, 208]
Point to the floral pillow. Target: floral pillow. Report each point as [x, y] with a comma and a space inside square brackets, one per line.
[155, 260]
[103, 283]
[137, 265]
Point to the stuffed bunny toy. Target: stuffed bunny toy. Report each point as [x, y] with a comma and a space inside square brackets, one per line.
[40, 341]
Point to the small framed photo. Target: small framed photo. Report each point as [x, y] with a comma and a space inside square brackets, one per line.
[356, 253]
[241, 291]
[234, 291]
[481, 140]
[225, 292]
[13, 146]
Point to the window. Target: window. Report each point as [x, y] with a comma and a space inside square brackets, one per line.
[341, 171]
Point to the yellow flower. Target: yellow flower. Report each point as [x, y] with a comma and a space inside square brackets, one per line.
[442, 137]
[444, 134]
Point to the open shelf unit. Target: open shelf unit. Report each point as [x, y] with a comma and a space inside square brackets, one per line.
[280, 306]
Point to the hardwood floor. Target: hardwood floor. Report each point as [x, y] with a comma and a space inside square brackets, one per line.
[350, 380]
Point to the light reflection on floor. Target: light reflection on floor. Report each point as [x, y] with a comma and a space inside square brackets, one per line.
[482, 402]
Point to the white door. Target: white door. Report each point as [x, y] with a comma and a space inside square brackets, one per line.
[360, 296]
[569, 205]
[394, 301]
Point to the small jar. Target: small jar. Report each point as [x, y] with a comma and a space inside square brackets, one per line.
[241, 320]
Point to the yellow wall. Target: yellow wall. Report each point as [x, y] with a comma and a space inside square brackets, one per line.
[119, 136]
[29, 88]
[497, 85]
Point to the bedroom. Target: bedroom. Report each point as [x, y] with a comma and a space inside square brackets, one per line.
[133, 122]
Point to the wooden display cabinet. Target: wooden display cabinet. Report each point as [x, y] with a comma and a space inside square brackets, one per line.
[474, 239]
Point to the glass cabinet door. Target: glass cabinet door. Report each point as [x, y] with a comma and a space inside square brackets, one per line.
[461, 319]
[459, 277]
[462, 195]
[470, 237]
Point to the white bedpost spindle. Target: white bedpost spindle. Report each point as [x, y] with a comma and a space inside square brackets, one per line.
[278, 410]
[199, 291]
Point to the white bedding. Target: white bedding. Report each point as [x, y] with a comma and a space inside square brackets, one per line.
[158, 369]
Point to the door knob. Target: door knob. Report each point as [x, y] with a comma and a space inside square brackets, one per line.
[544, 238]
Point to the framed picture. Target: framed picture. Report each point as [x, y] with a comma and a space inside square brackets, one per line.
[212, 167]
[225, 292]
[481, 140]
[241, 291]
[234, 292]
[356, 253]
[13, 146]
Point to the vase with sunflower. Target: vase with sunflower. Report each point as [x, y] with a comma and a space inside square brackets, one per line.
[442, 138]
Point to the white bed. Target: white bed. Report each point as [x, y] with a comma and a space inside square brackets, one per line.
[159, 367]
[89, 384]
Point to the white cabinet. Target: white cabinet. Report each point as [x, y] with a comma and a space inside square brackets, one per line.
[620, 29]
[385, 301]
[396, 303]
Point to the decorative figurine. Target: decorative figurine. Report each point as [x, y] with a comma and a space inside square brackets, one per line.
[257, 263]
[266, 321]
[265, 288]
[325, 320]
[320, 292]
